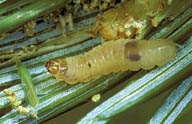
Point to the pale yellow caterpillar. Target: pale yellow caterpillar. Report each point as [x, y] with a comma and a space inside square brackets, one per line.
[113, 56]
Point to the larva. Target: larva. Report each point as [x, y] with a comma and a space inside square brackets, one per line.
[127, 19]
[113, 56]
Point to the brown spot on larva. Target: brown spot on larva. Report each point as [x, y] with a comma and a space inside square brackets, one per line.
[131, 45]
[89, 65]
[131, 51]
[134, 57]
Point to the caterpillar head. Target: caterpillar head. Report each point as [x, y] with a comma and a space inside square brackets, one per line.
[57, 67]
[52, 66]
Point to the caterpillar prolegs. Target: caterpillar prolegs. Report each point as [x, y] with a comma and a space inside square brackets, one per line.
[113, 56]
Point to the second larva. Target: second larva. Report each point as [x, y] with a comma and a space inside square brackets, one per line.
[127, 19]
[113, 56]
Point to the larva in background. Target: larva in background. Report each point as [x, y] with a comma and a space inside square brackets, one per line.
[127, 19]
[113, 56]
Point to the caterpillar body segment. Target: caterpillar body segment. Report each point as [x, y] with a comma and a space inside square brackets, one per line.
[113, 56]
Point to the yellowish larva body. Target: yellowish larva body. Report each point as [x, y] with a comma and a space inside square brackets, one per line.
[113, 56]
